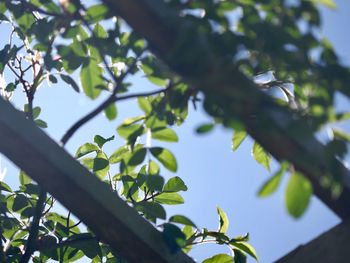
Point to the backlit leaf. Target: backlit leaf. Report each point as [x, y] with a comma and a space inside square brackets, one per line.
[165, 157]
[224, 222]
[164, 134]
[86, 149]
[91, 80]
[180, 219]
[219, 258]
[111, 112]
[247, 248]
[261, 156]
[238, 138]
[298, 194]
[175, 184]
[271, 185]
[169, 199]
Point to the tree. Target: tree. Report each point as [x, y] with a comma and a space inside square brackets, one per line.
[189, 50]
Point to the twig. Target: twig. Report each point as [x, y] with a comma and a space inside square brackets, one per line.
[111, 99]
[152, 196]
[34, 229]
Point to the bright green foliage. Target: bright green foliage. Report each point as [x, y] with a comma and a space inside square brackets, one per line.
[261, 156]
[271, 185]
[220, 258]
[91, 79]
[223, 221]
[298, 194]
[165, 157]
[238, 138]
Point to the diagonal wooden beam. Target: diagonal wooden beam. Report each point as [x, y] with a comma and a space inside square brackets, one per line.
[113, 221]
[179, 43]
[331, 246]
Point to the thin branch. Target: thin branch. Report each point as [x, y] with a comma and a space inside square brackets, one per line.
[34, 229]
[152, 196]
[111, 99]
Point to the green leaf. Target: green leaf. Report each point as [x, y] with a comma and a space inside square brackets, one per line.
[24, 178]
[169, 199]
[155, 182]
[42, 124]
[5, 187]
[165, 135]
[238, 138]
[152, 209]
[88, 162]
[219, 258]
[70, 82]
[180, 219]
[91, 79]
[89, 246]
[247, 248]
[86, 149]
[158, 81]
[261, 156]
[20, 202]
[205, 128]
[36, 112]
[52, 79]
[224, 222]
[111, 112]
[339, 134]
[239, 257]
[130, 121]
[153, 168]
[100, 141]
[130, 131]
[99, 31]
[97, 13]
[298, 194]
[174, 237]
[101, 165]
[144, 105]
[10, 87]
[175, 184]
[119, 154]
[138, 157]
[165, 157]
[271, 185]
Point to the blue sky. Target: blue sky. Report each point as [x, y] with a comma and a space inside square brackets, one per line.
[214, 174]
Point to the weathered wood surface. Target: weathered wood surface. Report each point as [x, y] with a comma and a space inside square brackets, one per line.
[187, 52]
[77, 189]
[331, 247]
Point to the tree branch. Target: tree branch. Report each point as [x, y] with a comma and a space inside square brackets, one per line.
[111, 99]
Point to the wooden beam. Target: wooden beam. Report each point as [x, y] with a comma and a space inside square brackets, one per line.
[111, 219]
[182, 46]
[332, 246]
